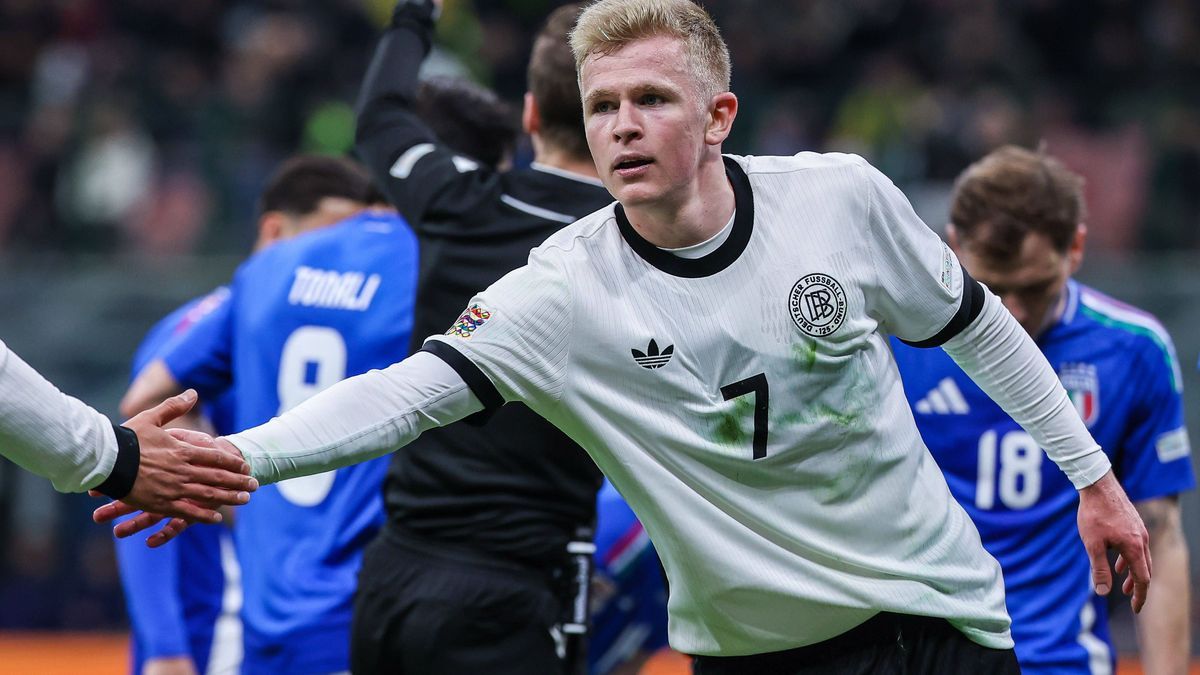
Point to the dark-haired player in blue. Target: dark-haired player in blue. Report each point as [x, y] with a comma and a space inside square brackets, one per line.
[181, 601]
[1016, 225]
[303, 314]
[183, 604]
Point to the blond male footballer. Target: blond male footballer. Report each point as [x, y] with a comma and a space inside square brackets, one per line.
[717, 341]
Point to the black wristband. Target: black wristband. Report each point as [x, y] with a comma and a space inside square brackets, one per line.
[421, 12]
[125, 470]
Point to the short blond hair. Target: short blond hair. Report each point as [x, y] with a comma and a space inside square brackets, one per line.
[607, 25]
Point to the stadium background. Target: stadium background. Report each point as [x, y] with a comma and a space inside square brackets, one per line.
[134, 135]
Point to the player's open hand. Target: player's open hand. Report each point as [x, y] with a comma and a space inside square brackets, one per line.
[181, 473]
[1108, 520]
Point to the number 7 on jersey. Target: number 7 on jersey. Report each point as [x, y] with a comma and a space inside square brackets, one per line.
[757, 385]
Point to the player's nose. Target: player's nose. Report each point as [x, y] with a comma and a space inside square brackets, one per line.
[627, 125]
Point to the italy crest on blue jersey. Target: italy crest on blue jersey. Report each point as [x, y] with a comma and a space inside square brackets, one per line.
[1119, 366]
[302, 315]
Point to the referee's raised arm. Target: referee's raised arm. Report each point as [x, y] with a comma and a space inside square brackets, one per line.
[421, 176]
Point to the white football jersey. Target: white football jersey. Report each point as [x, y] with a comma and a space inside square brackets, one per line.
[747, 406]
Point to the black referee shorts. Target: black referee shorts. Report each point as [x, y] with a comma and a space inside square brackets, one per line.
[420, 610]
[887, 644]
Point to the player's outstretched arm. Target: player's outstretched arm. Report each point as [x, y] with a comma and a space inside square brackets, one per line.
[50, 434]
[1107, 520]
[357, 419]
[422, 177]
[1004, 361]
[77, 448]
[1164, 626]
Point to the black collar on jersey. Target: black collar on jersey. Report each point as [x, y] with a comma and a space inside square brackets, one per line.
[743, 225]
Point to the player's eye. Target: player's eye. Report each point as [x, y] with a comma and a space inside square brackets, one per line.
[651, 99]
[602, 107]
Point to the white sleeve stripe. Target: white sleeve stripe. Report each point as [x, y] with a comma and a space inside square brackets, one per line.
[536, 210]
[405, 163]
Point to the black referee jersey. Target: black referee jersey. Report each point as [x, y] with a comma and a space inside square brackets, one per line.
[515, 487]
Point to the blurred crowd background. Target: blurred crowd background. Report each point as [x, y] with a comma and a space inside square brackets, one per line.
[141, 131]
[148, 126]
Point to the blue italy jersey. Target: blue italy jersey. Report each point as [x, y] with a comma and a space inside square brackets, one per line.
[1119, 366]
[629, 607]
[179, 597]
[304, 314]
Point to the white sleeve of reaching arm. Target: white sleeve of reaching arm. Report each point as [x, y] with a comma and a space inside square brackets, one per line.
[49, 433]
[358, 419]
[1005, 362]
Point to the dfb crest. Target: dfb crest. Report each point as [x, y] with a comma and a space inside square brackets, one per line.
[818, 304]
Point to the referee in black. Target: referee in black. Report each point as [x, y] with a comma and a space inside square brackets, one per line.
[467, 576]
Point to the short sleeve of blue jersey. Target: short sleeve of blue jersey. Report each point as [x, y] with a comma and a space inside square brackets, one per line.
[158, 337]
[1155, 457]
[201, 358]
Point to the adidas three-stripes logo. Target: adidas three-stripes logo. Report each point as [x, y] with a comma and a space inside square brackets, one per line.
[653, 358]
[944, 399]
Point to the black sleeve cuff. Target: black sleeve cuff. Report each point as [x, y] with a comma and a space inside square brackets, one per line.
[124, 472]
[479, 383]
[968, 309]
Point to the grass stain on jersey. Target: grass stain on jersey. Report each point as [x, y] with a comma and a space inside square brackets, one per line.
[848, 420]
[857, 393]
[819, 413]
[730, 428]
[805, 354]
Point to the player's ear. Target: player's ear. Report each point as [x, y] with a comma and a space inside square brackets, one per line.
[722, 110]
[1075, 250]
[531, 117]
[271, 228]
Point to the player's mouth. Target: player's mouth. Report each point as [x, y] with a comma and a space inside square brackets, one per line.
[630, 166]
